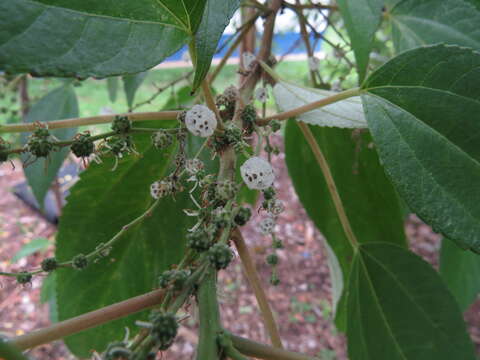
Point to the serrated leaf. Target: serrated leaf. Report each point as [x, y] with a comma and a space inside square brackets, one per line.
[60, 103]
[216, 16]
[112, 87]
[77, 38]
[460, 270]
[423, 22]
[362, 19]
[38, 244]
[399, 308]
[101, 202]
[422, 108]
[131, 83]
[343, 114]
[362, 185]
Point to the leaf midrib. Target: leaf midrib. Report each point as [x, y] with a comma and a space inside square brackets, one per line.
[377, 303]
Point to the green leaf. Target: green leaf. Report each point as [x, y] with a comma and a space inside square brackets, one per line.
[347, 113]
[216, 16]
[48, 295]
[424, 22]
[9, 352]
[422, 108]
[77, 38]
[38, 244]
[101, 202]
[399, 308]
[112, 87]
[362, 19]
[131, 83]
[460, 270]
[361, 182]
[60, 103]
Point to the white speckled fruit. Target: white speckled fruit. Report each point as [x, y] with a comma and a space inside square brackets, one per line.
[201, 121]
[257, 173]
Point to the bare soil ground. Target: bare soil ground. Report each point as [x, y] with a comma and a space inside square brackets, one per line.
[301, 302]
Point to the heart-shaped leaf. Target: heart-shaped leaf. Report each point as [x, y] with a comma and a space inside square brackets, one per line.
[80, 38]
[399, 309]
[422, 108]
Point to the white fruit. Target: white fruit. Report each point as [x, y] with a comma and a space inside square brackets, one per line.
[201, 121]
[257, 173]
[267, 225]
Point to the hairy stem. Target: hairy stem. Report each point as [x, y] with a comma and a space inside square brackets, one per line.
[256, 284]
[88, 320]
[332, 188]
[311, 106]
[261, 351]
[209, 317]
[92, 120]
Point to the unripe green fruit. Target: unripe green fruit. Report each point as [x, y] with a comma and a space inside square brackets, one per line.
[199, 241]
[121, 124]
[243, 215]
[82, 146]
[49, 264]
[220, 256]
[164, 330]
[272, 259]
[24, 278]
[80, 262]
[38, 143]
[162, 139]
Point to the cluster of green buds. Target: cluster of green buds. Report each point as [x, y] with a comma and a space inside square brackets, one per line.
[82, 145]
[173, 279]
[164, 329]
[39, 143]
[4, 147]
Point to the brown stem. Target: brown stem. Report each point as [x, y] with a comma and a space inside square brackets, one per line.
[261, 351]
[306, 41]
[245, 28]
[265, 50]
[256, 284]
[332, 188]
[88, 320]
[24, 98]
[101, 119]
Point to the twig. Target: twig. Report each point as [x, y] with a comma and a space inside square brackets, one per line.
[261, 351]
[311, 106]
[88, 320]
[254, 281]
[101, 119]
[332, 188]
